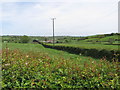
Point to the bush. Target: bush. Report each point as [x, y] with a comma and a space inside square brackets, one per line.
[38, 70]
[24, 39]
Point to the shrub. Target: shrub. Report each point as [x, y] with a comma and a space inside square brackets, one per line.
[38, 70]
[24, 39]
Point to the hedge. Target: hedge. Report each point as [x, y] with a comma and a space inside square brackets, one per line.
[95, 53]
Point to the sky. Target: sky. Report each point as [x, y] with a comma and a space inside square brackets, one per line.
[73, 17]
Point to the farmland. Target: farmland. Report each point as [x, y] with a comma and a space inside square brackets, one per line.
[90, 46]
[30, 65]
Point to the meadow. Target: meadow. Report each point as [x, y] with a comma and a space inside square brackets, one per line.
[33, 66]
[89, 46]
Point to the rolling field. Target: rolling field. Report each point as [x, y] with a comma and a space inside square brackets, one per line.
[39, 48]
[90, 46]
[33, 66]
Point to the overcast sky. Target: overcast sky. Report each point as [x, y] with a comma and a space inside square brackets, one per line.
[73, 17]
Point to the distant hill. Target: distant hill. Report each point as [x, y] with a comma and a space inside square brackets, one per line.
[113, 38]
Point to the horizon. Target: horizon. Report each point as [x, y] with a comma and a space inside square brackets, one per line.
[60, 36]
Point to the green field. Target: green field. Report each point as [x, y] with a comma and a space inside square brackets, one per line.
[39, 48]
[90, 46]
[33, 66]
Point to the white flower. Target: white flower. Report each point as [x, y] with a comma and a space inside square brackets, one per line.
[27, 55]
[26, 63]
[7, 64]
[92, 61]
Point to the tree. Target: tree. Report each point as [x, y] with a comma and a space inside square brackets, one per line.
[24, 39]
[46, 39]
[66, 41]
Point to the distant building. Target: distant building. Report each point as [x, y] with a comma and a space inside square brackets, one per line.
[49, 41]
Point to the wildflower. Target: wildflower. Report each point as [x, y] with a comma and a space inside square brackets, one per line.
[27, 56]
[115, 74]
[7, 64]
[92, 62]
[26, 63]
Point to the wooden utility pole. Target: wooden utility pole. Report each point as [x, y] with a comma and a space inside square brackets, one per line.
[119, 17]
[53, 31]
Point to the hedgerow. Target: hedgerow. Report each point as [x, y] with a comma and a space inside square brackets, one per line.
[95, 53]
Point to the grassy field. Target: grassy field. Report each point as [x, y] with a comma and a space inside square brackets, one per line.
[39, 48]
[90, 46]
[33, 66]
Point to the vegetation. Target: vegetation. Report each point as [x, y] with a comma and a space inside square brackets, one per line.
[96, 53]
[27, 64]
[24, 39]
[113, 38]
[28, 47]
[32, 68]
